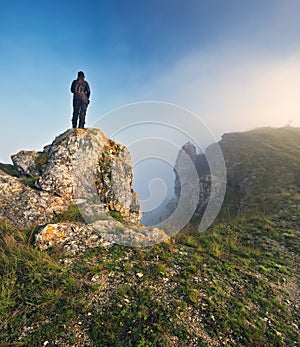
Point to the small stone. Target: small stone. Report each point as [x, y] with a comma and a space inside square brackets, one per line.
[95, 278]
[139, 275]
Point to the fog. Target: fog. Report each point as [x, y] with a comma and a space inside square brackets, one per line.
[227, 91]
[201, 97]
[234, 89]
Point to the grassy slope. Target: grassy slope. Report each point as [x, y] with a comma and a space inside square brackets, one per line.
[235, 285]
[10, 170]
[272, 158]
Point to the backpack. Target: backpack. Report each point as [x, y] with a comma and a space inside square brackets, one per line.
[80, 92]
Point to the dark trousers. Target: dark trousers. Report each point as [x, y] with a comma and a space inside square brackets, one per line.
[79, 111]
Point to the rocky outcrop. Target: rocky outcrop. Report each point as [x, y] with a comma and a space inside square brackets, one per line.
[240, 176]
[28, 162]
[75, 238]
[72, 163]
[201, 178]
[85, 165]
[114, 183]
[190, 150]
[262, 171]
[83, 168]
[188, 179]
[72, 238]
[23, 206]
[184, 168]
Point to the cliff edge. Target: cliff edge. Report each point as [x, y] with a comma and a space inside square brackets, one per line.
[82, 169]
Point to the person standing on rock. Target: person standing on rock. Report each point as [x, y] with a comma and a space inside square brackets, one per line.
[81, 90]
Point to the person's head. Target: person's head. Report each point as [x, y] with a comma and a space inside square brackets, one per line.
[80, 75]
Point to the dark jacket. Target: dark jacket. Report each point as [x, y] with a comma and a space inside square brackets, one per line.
[81, 90]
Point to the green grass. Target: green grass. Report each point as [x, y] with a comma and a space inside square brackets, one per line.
[41, 160]
[235, 281]
[29, 181]
[72, 214]
[118, 216]
[271, 159]
[35, 291]
[236, 284]
[10, 170]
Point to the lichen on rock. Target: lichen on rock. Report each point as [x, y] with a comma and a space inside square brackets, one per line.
[76, 238]
[114, 182]
[80, 168]
[23, 206]
[85, 164]
[29, 162]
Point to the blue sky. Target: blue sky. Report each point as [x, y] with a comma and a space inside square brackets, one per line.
[236, 64]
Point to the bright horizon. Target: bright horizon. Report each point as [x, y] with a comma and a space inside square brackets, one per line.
[235, 65]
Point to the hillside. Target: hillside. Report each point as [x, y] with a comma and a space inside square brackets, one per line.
[263, 172]
[263, 169]
[236, 284]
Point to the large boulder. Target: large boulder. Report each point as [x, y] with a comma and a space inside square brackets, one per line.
[72, 162]
[186, 186]
[85, 166]
[23, 206]
[28, 162]
[76, 238]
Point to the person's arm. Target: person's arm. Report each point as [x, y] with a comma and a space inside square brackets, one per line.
[88, 90]
[73, 87]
